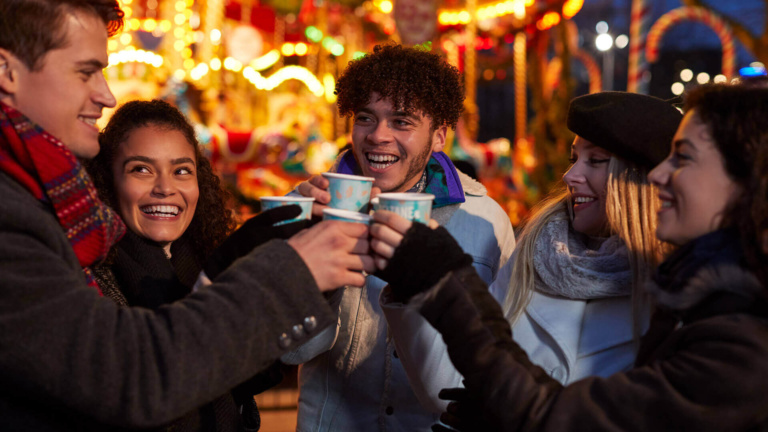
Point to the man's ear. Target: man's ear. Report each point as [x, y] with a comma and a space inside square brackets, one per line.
[438, 139]
[9, 75]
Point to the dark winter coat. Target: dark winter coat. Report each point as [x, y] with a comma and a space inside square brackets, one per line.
[704, 370]
[73, 360]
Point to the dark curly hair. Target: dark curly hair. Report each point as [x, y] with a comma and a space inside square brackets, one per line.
[212, 222]
[413, 79]
[737, 118]
[32, 28]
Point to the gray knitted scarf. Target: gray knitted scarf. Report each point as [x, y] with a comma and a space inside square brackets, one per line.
[566, 267]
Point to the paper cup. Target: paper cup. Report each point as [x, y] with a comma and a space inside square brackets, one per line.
[412, 206]
[349, 192]
[270, 202]
[346, 216]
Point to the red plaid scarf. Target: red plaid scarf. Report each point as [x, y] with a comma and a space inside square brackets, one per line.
[50, 172]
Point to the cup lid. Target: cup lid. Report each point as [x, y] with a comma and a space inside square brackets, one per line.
[406, 196]
[348, 176]
[286, 198]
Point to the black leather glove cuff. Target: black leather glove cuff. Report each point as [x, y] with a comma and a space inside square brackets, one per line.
[254, 232]
[422, 258]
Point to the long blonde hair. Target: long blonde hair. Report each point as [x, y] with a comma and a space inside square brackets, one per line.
[631, 206]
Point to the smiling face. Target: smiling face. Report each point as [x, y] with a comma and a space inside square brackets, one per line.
[586, 180]
[694, 187]
[155, 176]
[66, 96]
[393, 146]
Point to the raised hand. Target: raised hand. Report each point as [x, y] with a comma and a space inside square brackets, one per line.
[316, 187]
[335, 252]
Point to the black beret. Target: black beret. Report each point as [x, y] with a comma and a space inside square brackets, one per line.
[635, 127]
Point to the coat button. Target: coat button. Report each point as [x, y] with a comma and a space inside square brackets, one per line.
[390, 410]
[284, 341]
[297, 331]
[310, 323]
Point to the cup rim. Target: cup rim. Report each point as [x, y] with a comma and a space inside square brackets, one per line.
[406, 196]
[348, 176]
[349, 214]
[286, 198]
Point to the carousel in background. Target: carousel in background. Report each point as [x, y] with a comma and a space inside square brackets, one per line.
[257, 77]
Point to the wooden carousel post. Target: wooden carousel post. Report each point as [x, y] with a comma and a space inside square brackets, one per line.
[213, 17]
[519, 64]
[470, 71]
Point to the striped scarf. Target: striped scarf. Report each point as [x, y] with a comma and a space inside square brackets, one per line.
[51, 173]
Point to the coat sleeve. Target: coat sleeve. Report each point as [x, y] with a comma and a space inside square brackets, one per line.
[65, 347]
[713, 379]
[420, 347]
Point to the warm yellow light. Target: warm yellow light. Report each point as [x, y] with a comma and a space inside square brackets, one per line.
[571, 8]
[232, 64]
[215, 35]
[329, 85]
[150, 24]
[186, 52]
[179, 19]
[179, 74]
[189, 64]
[127, 11]
[178, 33]
[112, 45]
[215, 64]
[125, 38]
[127, 2]
[165, 25]
[180, 5]
[385, 6]
[287, 49]
[464, 17]
[301, 48]
[178, 45]
[266, 60]
[190, 3]
[133, 24]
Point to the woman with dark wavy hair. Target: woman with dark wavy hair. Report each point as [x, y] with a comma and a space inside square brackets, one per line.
[702, 366]
[150, 169]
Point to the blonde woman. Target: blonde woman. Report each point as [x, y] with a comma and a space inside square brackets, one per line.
[573, 288]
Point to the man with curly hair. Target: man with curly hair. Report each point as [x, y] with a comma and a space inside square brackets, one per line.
[402, 100]
[71, 359]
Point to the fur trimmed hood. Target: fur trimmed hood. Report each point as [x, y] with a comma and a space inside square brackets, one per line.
[723, 277]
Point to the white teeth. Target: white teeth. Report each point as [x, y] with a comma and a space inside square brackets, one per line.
[88, 120]
[161, 210]
[666, 204]
[382, 158]
[580, 200]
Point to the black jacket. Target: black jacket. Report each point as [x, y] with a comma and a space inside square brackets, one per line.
[73, 360]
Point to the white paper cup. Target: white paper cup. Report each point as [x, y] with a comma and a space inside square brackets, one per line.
[412, 206]
[349, 192]
[346, 216]
[270, 202]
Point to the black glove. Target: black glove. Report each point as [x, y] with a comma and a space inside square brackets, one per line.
[254, 232]
[462, 414]
[422, 258]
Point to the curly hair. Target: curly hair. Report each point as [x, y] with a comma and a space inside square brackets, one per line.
[737, 118]
[212, 222]
[413, 79]
[32, 28]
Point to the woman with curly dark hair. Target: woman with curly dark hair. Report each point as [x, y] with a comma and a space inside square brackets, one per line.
[150, 169]
[702, 366]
